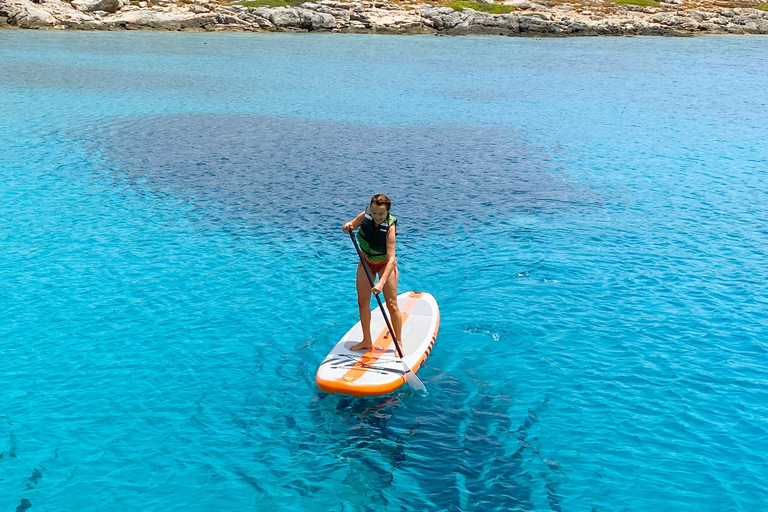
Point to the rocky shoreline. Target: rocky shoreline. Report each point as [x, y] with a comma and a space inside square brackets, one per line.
[528, 18]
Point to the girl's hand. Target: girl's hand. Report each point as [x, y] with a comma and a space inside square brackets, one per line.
[347, 227]
[377, 288]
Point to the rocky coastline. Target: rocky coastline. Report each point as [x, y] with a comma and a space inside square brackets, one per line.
[527, 18]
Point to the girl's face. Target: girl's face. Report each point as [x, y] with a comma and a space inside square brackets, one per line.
[378, 212]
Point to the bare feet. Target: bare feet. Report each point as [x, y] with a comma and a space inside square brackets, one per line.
[363, 345]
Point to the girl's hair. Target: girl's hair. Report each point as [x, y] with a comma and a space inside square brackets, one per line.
[381, 199]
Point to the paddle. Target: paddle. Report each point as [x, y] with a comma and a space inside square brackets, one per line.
[410, 377]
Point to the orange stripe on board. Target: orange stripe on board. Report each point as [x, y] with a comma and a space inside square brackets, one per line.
[374, 354]
[426, 353]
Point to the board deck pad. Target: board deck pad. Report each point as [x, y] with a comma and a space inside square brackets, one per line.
[379, 370]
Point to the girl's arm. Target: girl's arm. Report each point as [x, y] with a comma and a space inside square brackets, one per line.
[354, 223]
[391, 235]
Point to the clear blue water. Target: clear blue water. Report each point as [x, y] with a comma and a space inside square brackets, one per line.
[589, 213]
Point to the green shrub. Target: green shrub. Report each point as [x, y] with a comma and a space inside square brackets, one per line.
[489, 8]
[763, 7]
[642, 3]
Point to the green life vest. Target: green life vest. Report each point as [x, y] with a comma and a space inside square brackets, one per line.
[373, 238]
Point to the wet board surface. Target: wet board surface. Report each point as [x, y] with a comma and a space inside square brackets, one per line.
[379, 370]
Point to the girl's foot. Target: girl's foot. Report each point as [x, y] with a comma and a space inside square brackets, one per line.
[363, 345]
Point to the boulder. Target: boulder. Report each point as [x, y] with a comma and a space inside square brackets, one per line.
[340, 15]
[198, 22]
[576, 27]
[68, 16]
[448, 21]
[261, 12]
[533, 24]
[289, 17]
[227, 19]
[665, 18]
[699, 15]
[520, 4]
[146, 19]
[263, 23]
[9, 10]
[486, 21]
[28, 15]
[285, 17]
[316, 20]
[110, 6]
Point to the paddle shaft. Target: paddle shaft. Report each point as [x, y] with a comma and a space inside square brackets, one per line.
[378, 299]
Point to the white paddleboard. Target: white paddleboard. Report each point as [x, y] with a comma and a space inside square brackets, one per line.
[379, 370]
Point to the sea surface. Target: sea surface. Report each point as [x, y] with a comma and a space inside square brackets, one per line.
[589, 213]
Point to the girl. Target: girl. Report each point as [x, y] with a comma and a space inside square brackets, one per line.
[377, 243]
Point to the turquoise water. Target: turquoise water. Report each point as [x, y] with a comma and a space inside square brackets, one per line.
[589, 214]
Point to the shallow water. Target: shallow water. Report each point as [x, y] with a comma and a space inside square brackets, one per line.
[589, 214]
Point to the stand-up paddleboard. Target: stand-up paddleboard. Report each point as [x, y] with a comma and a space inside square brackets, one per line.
[379, 371]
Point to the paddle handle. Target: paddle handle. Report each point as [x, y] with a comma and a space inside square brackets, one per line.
[378, 299]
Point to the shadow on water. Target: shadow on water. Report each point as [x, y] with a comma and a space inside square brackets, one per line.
[370, 448]
[465, 448]
[470, 455]
[461, 449]
[307, 173]
[332, 445]
[30, 481]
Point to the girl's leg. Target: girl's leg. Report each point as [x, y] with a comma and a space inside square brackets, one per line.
[364, 306]
[390, 296]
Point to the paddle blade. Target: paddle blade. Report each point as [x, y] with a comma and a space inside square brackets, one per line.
[414, 382]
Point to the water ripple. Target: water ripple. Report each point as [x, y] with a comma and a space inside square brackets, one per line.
[172, 271]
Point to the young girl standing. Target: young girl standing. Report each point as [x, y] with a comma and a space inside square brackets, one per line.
[377, 243]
